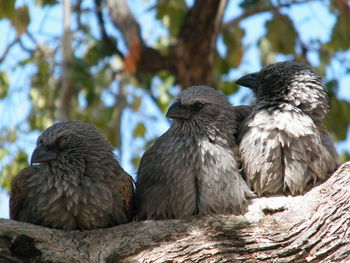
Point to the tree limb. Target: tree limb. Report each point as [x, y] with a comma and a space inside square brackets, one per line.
[140, 58]
[195, 50]
[114, 126]
[314, 227]
[101, 24]
[255, 11]
[8, 48]
[124, 20]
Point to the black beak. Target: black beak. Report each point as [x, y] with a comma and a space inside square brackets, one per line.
[41, 154]
[177, 111]
[250, 81]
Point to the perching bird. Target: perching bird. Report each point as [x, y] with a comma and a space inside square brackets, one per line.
[78, 183]
[283, 144]
[193, 168]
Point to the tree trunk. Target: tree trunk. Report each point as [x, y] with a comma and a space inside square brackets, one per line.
[67, 89]
[309, 228]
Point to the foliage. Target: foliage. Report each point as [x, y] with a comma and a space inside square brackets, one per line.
[102, 91]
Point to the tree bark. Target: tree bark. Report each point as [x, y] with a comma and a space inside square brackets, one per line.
[194, 53]
[314, 227]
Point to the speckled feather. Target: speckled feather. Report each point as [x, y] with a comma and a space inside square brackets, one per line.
[193, 168]
[283, 144]
[83, 188]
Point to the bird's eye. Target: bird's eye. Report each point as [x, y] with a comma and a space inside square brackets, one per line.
[196, 107]
[57, 145]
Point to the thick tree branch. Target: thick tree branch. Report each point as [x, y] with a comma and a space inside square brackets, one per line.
[310, 228]
[101, 24]
[255, 11]
[114, 126]
[194, 52]
[140, 58]
[125, 21]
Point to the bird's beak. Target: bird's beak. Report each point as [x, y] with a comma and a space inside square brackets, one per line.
[177, 111]
[41, 154]
[250, 81]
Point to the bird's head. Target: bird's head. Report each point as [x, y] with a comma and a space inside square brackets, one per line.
[67, 142]
[276, 80]
[200, 106]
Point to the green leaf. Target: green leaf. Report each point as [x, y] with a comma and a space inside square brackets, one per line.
[345, 157]
[267, 56]
[4, 84]
[46, 2]
[232, 37]
[171, 12]
[281, 34]
[25, 61]
[136, 161]
[96, 52]
[3, 153]
[137, 103]
[21, 20]
[12, 135]
[228, 87]
[340, 39]
[7, 8]
[332, 88]
[140, 130]
[338, 120]
[254, 4]
[12, 169]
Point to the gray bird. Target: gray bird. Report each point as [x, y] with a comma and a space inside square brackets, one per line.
[193, 168]
[78, 183]
[283, 144]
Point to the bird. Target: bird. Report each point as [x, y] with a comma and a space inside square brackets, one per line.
[283, 144]
[74, 182]
[193, 168]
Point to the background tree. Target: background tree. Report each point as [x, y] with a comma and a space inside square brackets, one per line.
[118, 64]
[105, 62]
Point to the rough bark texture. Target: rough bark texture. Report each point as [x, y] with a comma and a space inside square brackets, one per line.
[194, 52]
[310, 228]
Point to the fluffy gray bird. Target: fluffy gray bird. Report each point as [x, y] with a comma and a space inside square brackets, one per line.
[284, 145]
[78, 183]
[193, 168]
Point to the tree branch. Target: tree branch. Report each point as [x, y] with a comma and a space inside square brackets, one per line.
[140, 58]
[101, 24]
[314, 227]
[8, 48]
[194, 52]
[114, 126]
[259, 10]
[124, 20]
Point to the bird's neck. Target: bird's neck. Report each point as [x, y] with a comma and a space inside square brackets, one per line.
[209, 131]
[64, 170]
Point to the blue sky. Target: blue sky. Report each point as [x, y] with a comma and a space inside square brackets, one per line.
[48, 22]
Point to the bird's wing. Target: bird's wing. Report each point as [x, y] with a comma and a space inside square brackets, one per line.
[328, 144]
[123, 200]
[19, 191]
